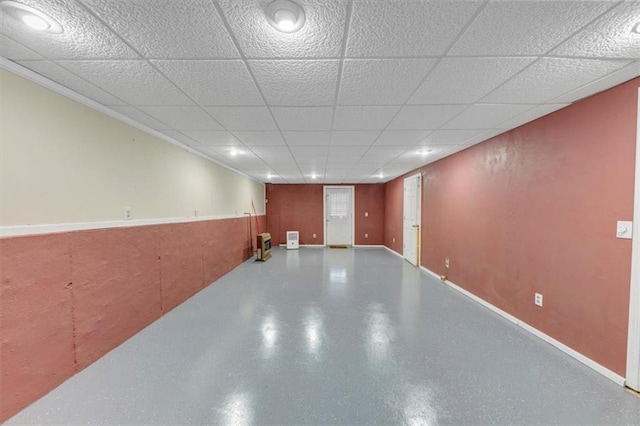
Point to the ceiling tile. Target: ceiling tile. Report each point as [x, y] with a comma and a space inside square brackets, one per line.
[414, 117]
[243, 118]
[175, 135]
[363, 117]
[66, 78]
[135, 82]
[354, 137]
[303, 118]
[213, 83]
[525, 27]
[316, 153]
[381, 81]
[263, 138]
[15, 51]
[183, 117]
[401, 137]
[530, 115]
[486, 116]
[212, 137]
[465, 80]
[307, 138]
[167, 28]
[273, 154]
[139, 116]
[321, 35]
[384, 153]
[449, 137]
[406, 28]
[293, 83]
[349, 153]
[611, 36]
[83, 35]
[551, 77]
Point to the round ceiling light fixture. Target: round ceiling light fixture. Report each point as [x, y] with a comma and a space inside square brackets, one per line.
[636, 28]
[30, 17]
[285, 16]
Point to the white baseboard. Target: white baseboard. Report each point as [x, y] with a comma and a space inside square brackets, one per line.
[394, 252]
[559, 345]
[368, 246]
[306, 245]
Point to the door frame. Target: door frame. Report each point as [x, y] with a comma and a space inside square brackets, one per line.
[353, 211]
[418, 216]
[633, 337]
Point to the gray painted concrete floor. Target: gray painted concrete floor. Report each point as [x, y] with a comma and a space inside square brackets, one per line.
[321, 336]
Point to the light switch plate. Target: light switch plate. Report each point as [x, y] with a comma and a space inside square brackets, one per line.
[624, 229]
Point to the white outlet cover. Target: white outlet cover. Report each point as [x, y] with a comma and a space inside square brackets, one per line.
[127, 213]
[624, 229]
[538, 299]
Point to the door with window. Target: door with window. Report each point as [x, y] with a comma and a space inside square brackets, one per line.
[411, 219]
[338, 214]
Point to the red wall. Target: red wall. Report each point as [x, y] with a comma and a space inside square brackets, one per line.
[394, 204]
[300, 208]
[69, 298]
[535, 210]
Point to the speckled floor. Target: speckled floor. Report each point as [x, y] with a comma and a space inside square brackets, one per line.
[320, 336]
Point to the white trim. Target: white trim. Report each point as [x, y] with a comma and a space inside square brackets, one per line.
[392, 251]
[418, 217]
[353, 210]
[368, 246]
[21, 71]
[305, 245]
[633, 337]
[559, 345]
[54, 228]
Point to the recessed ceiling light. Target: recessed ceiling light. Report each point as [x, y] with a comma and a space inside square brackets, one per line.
[285, 15]
[30, 17]
[636, 28]
[233, 152]
[314, 176]
[424, 151]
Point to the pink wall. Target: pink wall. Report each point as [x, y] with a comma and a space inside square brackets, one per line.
[535, 210]
[69, 298]
[300, 208]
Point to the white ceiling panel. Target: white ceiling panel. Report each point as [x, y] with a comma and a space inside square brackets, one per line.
[363, 117]
[362, 84]
[140, 117]
[243, 118]
[285, 83]
[83, 35]
[486, 116]
[182, 117]
[401, 137]
[263, 138]
[303, 118]
[381, 81]
[416, 117]
[212, 137]
[354, 137]
[321, 35]
[406, 28]
[72, 81]
[307, 138]
[449, 137]
[201, 81]
[525, 27]
[135, 82]
[551, 77]
[168, 29]
[465, 80]
[15, 51]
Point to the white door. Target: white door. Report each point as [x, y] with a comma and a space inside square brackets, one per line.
[338, 214]
[411, 219]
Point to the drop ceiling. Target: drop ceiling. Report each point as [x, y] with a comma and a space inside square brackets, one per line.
[366, 91]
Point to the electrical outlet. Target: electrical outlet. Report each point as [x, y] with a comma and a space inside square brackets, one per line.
[314, 235]
[538, 299]
[366, 235]
[196, 212]
[394, 240]
[366, 214]
[127, 213]
[446, 262]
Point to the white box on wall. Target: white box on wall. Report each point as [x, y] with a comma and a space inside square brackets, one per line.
[293, 240]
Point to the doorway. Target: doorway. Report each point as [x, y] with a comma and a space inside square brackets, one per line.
[338, 215]
[633, 339]
[411, 219]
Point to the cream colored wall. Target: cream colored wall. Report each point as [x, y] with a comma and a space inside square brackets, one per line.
[63, 162]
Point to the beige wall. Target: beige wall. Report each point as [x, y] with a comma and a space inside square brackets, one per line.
[63, 162]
